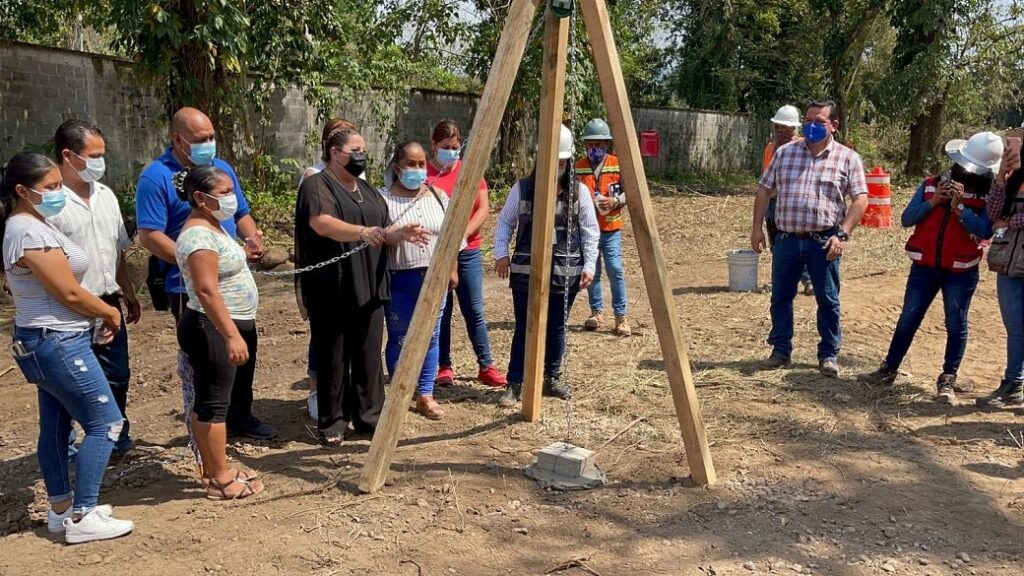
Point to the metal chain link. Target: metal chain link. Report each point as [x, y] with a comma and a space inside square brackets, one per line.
[571, 168]
[143, 464]
[340, 257]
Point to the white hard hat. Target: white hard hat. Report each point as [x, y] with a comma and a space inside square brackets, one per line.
[565, 144]
[980, 154]
[787, 116]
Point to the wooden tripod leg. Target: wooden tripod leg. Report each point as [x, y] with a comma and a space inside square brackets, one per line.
[641, 211]
[552, 96]
[485, 130]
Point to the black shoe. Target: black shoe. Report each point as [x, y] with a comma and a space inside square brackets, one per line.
[513, 394]
[946, 385]
[253, 428]
[553, 386]
[1008, 395]
[884, 376]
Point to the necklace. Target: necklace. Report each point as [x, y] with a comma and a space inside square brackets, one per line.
[356, 194]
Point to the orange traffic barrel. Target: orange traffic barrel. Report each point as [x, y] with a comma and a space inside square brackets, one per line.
[879, 212]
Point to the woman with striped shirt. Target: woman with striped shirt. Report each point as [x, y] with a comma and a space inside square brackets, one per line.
[410, 200]
[53, 337]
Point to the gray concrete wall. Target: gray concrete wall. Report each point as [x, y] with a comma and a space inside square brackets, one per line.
[41, 87]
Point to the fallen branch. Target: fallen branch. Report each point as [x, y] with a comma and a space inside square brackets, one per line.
[7, 371]
[620, 433]
[578, 562]
[419, 569]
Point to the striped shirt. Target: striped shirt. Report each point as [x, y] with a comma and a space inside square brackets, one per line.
[97, 227]
[812, 190]
[428, 212]
[35, 306]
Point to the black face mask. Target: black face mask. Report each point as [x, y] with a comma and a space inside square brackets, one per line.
[978, 184]
[356, 164]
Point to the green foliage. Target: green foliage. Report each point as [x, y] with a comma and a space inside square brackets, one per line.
[272, 189]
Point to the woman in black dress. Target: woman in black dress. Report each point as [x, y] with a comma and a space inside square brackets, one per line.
[336, 212]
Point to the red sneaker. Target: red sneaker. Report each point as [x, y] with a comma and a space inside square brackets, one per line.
[445, 376]
[491, 377]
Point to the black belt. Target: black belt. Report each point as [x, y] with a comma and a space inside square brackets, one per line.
[817, 235]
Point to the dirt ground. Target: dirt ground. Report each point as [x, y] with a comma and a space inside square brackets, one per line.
[817, 476]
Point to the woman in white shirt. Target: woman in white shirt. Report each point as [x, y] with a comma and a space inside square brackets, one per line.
[411, 200]
[55, 318]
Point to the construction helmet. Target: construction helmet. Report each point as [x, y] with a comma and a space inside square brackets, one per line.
[787, 116]
[980, 154]
[565, 144]
[597, 129]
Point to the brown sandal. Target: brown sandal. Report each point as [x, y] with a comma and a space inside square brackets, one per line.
[430, 411]
[249, 488]
[248, 475]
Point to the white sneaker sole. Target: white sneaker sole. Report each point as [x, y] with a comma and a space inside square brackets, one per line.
[83, 538]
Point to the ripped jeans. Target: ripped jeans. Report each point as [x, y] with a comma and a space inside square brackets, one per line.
[71, 386]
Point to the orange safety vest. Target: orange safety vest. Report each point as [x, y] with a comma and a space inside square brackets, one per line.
[609, 175]
[766, 156]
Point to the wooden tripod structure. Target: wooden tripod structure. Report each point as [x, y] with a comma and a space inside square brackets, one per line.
[485, 130]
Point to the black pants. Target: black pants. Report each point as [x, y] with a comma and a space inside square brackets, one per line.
[223, 391]
[350, 378]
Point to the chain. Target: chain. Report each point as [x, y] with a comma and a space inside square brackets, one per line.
[340, 257]
[569, 210]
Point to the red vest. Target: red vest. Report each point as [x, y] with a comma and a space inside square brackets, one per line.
[940, 241]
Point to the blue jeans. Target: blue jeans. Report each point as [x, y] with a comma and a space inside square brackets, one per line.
[113, 359]
[923, 284]
[470, 293]
[773, 234]
[791, 256]
[405, 290]
[71, 386]
[1010, 292]
[609, 252]
[554, 342]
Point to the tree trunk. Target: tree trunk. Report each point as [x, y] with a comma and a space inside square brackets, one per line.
[925, 131]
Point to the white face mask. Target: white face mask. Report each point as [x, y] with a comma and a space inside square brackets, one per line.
[227, 206]
[94, 168]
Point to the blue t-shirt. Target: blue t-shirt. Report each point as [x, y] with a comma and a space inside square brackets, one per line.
[158, 207]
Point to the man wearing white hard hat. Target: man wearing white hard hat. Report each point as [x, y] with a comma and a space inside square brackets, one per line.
[1006, 208]
[813, 179]
[572, 267]
[784, 125]
[949, 219]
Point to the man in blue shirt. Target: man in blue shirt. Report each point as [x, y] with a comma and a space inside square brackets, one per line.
[161, 212]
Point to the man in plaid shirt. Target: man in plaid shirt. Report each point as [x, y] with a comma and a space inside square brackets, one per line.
[812, 179]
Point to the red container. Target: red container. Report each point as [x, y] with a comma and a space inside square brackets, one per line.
[879, 212]
[650, 143]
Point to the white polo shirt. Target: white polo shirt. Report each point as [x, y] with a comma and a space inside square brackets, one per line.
[96, 226]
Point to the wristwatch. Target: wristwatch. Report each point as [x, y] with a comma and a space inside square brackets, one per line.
[843, 236]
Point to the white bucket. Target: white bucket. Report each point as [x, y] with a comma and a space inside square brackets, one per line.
[742, 270]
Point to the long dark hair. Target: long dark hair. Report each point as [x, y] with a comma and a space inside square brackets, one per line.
[1013, 190]
[24, 169]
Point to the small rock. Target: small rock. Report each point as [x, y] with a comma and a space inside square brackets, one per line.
[273, 257]
[842, 398]
[923, 561]
[964, 557]
[421, 503]
[516, 504]
[888, 568]
[749, 566]
[521, 530]
[797, 568]
[889, 532]
[93, 559]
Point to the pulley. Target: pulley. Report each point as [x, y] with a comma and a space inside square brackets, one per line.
[561, 8]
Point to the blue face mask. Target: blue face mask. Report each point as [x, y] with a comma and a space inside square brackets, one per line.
[52, 202]
[202, 153]
[815, 132]
[447, 157]
[413, 178]
[596, 154]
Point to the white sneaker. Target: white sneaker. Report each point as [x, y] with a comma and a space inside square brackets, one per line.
[55, 522]
[98, 524]
[311, 406]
